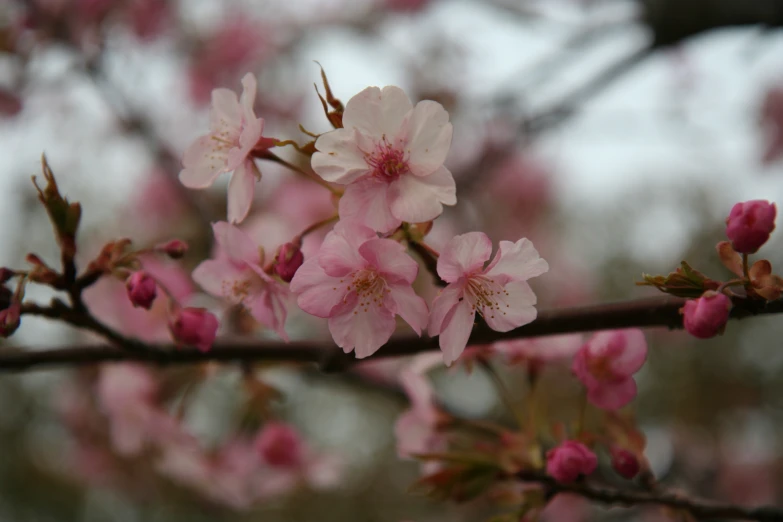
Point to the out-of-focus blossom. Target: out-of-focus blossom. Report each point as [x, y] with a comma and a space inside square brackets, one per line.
[280, 445]
[127, 395]
[498, 292]
[235, 133]
[606, 364]
[569, 461]
[238, 44]
[148, 18]
[390, 154]
[194, 327]
[237, 275]
[360, 282]
[10, 103]
[538, 351]
[416, 429]
[749, 225]
[706, 316]
[142, 289]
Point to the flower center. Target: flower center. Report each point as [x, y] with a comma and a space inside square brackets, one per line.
[486, 296]
[370, 288]
[387, 162]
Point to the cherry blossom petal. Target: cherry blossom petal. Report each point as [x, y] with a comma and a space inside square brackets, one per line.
[516, 308]
[378, 112]
[269, 310]
[226, 114]
[631, 359]
[364, 331]
[428, 137]
[204, 161]
[339, 159]
[442, 306]
[410, 306]
[419, 199]
[418, 389]
[339, 253]
[366, 202]
[218, 277]
[516, 262]
[456, 331]
[464, 254]
[390, 259]
[612, 396]
[235, 243]
[240, 191]
[316, 290]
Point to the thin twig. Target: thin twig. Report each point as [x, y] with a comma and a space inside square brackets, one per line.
[702, 509]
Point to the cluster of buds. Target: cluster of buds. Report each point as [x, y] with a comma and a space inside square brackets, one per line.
[748, 227]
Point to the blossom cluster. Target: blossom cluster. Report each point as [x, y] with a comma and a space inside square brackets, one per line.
[385, 163]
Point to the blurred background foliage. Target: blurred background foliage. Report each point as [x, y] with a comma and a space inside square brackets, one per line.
[616, 134]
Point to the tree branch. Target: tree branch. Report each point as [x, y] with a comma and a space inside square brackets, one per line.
[640, 313]
[701, 509]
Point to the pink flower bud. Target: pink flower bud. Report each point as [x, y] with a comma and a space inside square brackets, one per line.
[706, 316]
[194, 326]
[570, 460]
[289, 259]
[175, 248]
[749, 225]
[625, 463]
[9, 320]
[280, 445]
[142, 289]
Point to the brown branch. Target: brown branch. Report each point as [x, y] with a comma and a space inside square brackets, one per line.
[702, 509]
[641, 313]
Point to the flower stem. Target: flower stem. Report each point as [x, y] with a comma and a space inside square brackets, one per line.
[314, 227]
[582, 415]
[310, 175]
[745, 268]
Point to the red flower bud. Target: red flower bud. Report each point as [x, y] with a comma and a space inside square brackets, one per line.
[142, 289]
[749, 225]
[289, 259]
[625, 463]
[570, 460]
[194, 327]
[9, 320]
[175, 248]
[706, 316]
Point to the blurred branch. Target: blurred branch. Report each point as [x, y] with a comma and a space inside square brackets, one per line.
[641, 313]
[701, 509]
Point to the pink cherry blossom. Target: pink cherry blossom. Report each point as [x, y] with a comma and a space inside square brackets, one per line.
[498, 291]
[236, 274]
[624, 462]
[360, 282]
[235, 133]
[390, 154]
[569, 460]
[606, 364]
